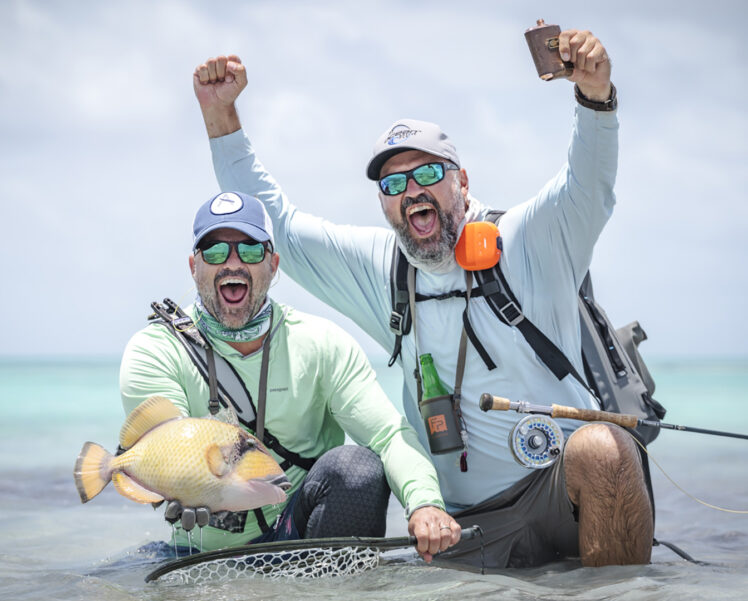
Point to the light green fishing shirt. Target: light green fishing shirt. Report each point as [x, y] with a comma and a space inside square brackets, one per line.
[320, 387]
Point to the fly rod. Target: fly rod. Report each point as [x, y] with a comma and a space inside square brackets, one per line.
[489, 402]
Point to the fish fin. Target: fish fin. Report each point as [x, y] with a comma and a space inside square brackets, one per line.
[152, 412]
[227, 415]
[217, 463]
[127, 487]
[92, 470]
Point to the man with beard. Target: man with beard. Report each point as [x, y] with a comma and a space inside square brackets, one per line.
[307, 384]
[593, 503]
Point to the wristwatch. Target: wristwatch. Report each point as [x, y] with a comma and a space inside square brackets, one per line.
[610, 104]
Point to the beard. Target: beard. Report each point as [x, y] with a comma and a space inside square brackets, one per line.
[231, 317]
[435, 253]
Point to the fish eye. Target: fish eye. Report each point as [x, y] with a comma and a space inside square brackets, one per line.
[245, 444]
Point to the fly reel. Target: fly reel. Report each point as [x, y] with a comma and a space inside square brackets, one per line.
[536, 441]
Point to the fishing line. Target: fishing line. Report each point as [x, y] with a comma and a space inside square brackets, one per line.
[683, 490]
[190, 291]
[489, 402]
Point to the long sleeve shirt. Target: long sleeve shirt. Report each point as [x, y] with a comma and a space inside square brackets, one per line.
[548, 242]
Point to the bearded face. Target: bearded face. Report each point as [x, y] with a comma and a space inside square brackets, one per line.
[440, 230]
[426, 220]
[233, 292]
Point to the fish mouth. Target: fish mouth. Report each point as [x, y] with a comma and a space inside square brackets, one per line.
[281, 482]
[423, 219]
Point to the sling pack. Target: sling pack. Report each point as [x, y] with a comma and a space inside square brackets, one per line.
[614, 371]
[226, 389]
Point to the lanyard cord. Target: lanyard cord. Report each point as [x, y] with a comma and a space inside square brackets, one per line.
[461, 355]
[463, 345]
[263, 386]
[413, 320]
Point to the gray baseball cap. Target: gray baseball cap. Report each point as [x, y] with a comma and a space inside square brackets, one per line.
[410, 134]
[234, 210]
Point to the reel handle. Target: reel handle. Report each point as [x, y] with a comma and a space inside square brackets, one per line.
[592, 415]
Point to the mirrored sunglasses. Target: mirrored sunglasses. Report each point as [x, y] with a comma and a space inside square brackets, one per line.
[424, 175]
[218, 252]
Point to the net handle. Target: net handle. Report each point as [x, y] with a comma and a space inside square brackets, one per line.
[396, 542]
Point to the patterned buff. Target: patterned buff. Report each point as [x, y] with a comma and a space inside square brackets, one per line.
[257, 327]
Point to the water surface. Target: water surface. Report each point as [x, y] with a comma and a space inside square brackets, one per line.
[55, 548]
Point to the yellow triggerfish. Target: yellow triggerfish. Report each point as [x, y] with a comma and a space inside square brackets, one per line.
[199, 462]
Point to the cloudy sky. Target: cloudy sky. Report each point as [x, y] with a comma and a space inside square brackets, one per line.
[104, 159]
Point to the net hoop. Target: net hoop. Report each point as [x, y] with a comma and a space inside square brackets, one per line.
[304, 558]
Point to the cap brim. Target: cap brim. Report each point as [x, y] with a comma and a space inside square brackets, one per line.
[252, 231]
[374, 168]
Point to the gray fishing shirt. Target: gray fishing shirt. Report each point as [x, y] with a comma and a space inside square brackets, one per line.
[548, 242]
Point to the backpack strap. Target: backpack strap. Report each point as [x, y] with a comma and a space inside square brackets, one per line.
[493, 286]
[506, 307]
[225, 385]
[401, 316]
[400, 319]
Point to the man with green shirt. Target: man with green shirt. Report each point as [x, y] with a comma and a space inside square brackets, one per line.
[306, 383]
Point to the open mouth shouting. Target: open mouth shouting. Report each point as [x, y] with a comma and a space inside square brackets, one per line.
[233, 290]
[423, 219]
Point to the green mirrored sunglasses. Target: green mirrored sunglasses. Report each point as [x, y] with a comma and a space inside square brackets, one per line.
[424, 175]
[218, 252]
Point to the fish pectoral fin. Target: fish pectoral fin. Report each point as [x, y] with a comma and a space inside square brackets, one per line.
[127, 487]
[152, 412]
[217, 461]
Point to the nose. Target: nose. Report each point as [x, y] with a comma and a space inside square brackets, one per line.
[233, 258]
[413, 188]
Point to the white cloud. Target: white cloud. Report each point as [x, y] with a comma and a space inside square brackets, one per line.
[104, 157]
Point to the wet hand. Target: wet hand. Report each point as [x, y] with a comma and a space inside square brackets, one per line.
[435, 530]
[591, 63]
[187, 516]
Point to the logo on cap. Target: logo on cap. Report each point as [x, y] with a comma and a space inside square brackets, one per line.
[400, 133]
[226, 203]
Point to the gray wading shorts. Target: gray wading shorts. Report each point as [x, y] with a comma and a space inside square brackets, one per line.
[529, 524]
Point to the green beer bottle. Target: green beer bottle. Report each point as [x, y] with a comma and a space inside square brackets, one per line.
[437, 410]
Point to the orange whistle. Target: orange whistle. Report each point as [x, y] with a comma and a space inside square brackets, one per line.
[479, 246]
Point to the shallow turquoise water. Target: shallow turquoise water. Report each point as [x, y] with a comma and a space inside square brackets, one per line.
[56, 548]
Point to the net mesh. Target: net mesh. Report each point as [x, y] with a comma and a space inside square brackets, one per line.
[302, 563]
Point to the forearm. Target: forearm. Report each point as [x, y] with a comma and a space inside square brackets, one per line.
[345, 266]
[410, 473]
[221, 120]
[238, 168]
[571, 210]
[362, 408]
[593, 158]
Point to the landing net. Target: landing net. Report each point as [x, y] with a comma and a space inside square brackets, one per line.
[306, 559]
[302, 564]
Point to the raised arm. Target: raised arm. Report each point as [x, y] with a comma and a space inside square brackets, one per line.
[217, 83]
[347, 267]
[557, 229]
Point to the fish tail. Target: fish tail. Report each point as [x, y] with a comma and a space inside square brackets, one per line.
[92, 470]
